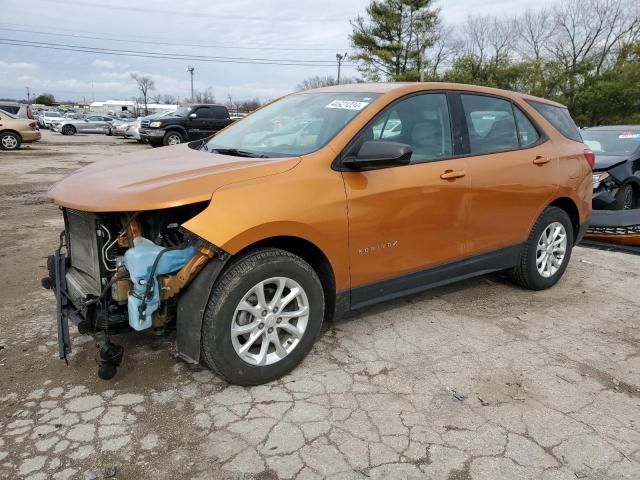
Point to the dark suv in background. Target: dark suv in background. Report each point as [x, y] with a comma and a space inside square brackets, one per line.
[185, 124]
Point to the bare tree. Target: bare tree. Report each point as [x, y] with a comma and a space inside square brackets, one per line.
[534, 29]
[317, 82]
[145, 84]
[248, 106]
[443, 50]
[204, 96]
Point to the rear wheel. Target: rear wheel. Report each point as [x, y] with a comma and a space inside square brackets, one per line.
[172, 138]
[547, 252]
[626, 198]
[10, 141]
[68, 130]
[263, 317]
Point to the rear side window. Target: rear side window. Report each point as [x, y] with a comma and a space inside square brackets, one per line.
[14, 109]
[220, 113]
[527, 133]
[491, 124]
[560, 118]
[204, 112]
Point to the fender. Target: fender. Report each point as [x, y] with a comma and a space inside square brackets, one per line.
[180, 128]
[191, 307]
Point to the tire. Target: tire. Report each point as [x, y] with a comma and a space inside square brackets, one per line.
[10, 141]
[68, 130]
[626, 198]
[172, 137]
[109, 132]
[528, 274]
[221, 349]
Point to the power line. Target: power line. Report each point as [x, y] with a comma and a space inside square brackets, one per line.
[151, 41]
[166, 56]
[217, 16]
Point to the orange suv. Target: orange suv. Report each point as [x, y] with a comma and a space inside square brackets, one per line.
[321, 202]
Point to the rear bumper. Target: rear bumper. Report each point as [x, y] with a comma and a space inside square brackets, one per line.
[31, 136]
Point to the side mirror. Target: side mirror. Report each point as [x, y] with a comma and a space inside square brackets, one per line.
[193, 115]
[377, 154]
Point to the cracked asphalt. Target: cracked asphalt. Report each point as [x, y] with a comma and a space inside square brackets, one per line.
[476, 381]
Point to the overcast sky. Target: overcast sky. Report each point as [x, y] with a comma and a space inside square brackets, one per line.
[292, 30]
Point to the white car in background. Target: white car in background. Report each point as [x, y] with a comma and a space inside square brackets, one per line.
[46, 118]
[131, 129]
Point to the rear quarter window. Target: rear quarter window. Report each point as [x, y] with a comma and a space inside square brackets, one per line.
[560, 118]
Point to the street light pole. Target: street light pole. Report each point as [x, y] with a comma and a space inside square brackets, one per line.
[28, 96]
[190, 69]
[340, 58]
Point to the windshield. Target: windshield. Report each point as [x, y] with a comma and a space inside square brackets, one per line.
[182, 112]
[616, 143]
[53, 114]
[293, 126]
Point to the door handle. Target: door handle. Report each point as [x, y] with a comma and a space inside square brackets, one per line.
[452, 174]
[539, 160]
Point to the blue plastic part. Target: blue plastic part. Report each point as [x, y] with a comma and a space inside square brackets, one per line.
[139, 262]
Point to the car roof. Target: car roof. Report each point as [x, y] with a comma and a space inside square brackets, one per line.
[613, 128]
[383, 88]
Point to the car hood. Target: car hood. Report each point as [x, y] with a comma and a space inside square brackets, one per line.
[159, 178]
[604, 162]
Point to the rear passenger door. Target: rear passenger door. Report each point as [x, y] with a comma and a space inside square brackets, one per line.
[511, 168]
[200, 125]
[220, 118]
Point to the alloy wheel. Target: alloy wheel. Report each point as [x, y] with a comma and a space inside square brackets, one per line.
[173, 139]
[551, 249]
[270, 321]
[9, 142]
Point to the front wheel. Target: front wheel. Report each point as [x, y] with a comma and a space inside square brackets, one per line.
[172, 138]
[547, 252]
[10, 141]
[263, 317]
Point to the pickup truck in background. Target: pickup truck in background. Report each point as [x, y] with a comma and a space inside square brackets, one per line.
[188, 123]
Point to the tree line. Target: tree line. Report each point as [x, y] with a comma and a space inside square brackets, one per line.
[582, 53]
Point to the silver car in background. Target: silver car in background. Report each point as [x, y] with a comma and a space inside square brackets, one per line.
[91, 124]
[131, 129]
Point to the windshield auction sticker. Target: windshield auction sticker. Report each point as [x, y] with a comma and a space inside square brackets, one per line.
[347, 105]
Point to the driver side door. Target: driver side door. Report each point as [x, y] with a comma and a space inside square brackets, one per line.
[405, 221]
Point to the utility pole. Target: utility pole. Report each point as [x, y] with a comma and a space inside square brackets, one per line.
[190, 69]
[28, 97]
[340, 58]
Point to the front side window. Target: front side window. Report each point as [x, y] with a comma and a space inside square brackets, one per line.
[491, 124]
[560, 118]
[421, 121]
[293, 126]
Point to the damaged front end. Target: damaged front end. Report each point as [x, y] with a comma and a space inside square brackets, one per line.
[114, 272]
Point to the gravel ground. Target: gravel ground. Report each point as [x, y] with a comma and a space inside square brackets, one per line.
[480, 380]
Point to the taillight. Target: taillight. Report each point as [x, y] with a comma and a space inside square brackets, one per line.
[32, 125]
[590, 157]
